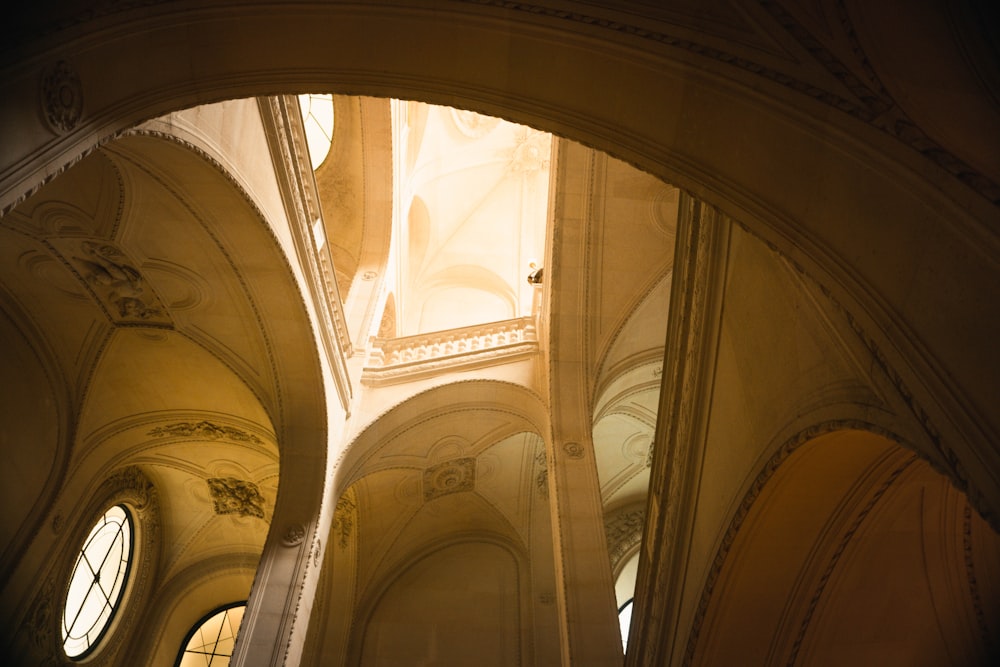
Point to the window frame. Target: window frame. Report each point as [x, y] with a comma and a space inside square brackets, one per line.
[200, 622]
[120, 601]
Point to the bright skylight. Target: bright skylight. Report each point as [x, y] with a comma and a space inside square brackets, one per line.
[625, 621]
[317, 115]
[470, 217]
[97, 582]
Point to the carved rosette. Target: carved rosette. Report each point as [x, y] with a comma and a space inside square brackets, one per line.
[294, 535]
[574, 450]
[236, 496]
[449, 477]
[62, 97]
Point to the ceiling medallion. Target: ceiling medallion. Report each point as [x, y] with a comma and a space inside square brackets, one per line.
[62, 97]
[449, 477]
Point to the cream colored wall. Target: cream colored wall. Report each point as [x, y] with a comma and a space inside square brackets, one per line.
[810, 129]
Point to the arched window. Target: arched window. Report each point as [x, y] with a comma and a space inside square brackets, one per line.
[97, 582]
[210, 642]
[317, 117]
[625, 621]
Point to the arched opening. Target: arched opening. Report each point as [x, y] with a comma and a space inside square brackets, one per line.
[855, 551]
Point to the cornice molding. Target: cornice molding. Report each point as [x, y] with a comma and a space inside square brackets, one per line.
[290, 156]
[871, 105]
[415, 357]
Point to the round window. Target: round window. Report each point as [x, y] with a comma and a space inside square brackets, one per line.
[97, 583]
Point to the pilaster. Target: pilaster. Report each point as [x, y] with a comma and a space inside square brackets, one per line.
[584, 586]
[662, 608]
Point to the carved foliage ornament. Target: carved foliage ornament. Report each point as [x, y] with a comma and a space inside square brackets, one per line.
[624, 532]
[542, 476]
[62, 97]
[343, 520]
[206, 430]
[236, 496]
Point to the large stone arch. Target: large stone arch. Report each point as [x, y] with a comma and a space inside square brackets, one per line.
[845, 190]
[834, 169]
[839, 504]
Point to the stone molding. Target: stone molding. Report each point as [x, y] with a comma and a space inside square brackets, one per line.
[406, 358]
[286, 138]
[868, 102]
[692, 337]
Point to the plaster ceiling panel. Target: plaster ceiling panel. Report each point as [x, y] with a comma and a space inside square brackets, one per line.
[146, 371]
[631, 251]
[54, 300]
[621, 448]
[461, 433]
[30, 431]
[457, 515]
[224, 509]
[197, 278]
[386, 501]
[86, 200]
[791, 359]
[506, 476]
[639, 340]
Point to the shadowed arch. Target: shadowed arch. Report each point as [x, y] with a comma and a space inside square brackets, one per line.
[670, 105]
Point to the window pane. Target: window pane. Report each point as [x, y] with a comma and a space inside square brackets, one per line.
[97, 582]
[211, 643]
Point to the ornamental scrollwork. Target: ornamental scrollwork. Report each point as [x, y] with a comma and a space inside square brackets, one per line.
[236, 496]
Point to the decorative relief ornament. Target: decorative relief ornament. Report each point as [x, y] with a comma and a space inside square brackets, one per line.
[294, 535]
[343, 520]
[449, 477]
[131, 484]
[542, 476]
[532, 152]
[114, 281]
[62, 97]
[624, 532]
[206, 430]
[574, 450]
[236, 496]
